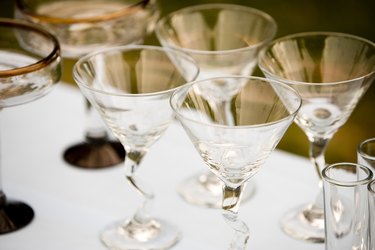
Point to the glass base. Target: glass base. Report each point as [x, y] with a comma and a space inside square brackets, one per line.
[93, 155]
[155, 235]
[14, 215]
[205, 190]
[305, 223]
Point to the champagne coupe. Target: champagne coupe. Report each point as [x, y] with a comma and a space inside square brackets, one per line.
[261, 110]
[331, 71]
[224, 39]
[83, 26]
[29, 67]
[130, 86]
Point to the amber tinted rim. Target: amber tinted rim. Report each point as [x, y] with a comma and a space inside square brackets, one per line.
[59, 20]
[55, 53]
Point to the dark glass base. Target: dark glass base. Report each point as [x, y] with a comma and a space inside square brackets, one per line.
[95, 155]
[14, 215]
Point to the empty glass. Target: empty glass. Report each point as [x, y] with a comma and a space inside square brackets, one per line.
[130, 87]
[224, 39]
[83, 26]
[366, 153]
[261, 111]
[346, 206]
[371, 197]
[30, 65]
[331, 71]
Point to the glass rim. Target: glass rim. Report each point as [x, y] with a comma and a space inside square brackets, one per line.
[340, 183]
[42, 63]
[371, 187]
[189, 85]
[128, 10]
[360, 149]
[309, 34]
[265, 15]
[126, 48]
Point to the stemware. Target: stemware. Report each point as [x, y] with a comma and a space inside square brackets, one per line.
[331, 71]
[29, 67]
[224, 39]
[130, 86]
[261, 110]
[83, 26]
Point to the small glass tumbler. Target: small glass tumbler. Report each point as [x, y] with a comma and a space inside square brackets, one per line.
[346, 213]
[371, 198]
[366, 153]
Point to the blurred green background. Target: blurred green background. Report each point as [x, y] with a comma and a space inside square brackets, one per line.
[350, 16]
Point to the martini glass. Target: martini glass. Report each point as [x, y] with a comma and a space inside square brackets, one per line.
[130, 86]
[83, 26]
[261, 109]
[331, 72]
[29, 67]
[224, 39]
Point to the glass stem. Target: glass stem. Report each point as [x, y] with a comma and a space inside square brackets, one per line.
[132, 161]
[95, 129]
[317, 150]
[230, 206]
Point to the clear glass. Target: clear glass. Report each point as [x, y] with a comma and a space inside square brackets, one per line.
[371, 200]
[130, 87]
[224, 39]
[366, 153]
[29, 67]
[331, 72]
[261, 111]
[346, 206]
[83, 26]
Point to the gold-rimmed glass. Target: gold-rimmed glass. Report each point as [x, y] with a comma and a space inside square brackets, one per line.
[83, 26]
[29, 67]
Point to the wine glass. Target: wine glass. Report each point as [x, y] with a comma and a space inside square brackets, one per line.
[83, 26]
[29, 67]
[261, 109]
[224, 39]
[130, 86]
[331, 71]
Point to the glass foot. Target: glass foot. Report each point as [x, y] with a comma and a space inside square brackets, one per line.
[305, 223]
[93, 155]
[14, 215]
[205, 190]
[155, 235]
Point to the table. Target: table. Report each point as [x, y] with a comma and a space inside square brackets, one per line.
[73, 205]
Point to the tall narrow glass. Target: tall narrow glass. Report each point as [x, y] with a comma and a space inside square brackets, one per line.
[224, 39]
[331, 71]
[371, 197]
[346, 206]
[29, 67]
[366, 153]
[130, 87]
[261, 109]
[83, 26]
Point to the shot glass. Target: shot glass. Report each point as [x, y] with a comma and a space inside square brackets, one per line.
[371, 200]
[366, 153]
[346, 211]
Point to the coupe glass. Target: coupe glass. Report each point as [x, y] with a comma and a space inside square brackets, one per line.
[261, 110]
[331, 72]
[223, 39]
[130, 86]
[29, 67]
[83, 26]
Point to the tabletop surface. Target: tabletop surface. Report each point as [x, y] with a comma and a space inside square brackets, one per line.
[72, 206]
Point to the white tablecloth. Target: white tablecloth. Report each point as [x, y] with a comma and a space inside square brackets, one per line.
[72, 205]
